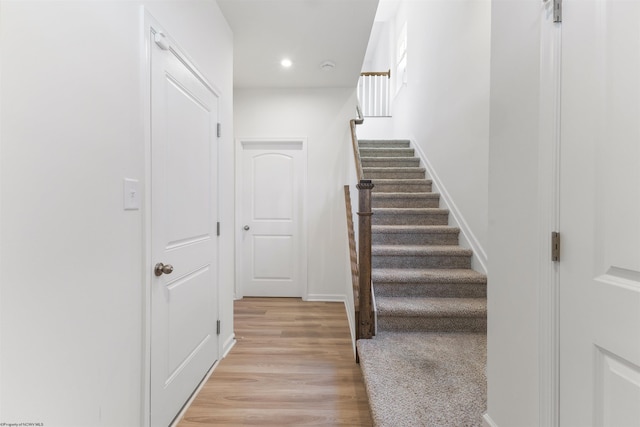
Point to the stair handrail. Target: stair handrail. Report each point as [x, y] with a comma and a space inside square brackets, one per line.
[353, 256]
[354, 141]
[363, 296]
[376, 73]
[360, 119]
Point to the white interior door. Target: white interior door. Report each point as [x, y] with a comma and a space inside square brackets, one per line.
[600, 214]
[184, 307]
[274, 255]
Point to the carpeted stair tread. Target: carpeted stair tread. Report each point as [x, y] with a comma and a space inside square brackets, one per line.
[409, 211]
[425, 379]
[386, 152]
[401, 229]
[393, 169]
[394, 173]
[435, 282]
[438, 235]
[400, 195]
[410, 216]
[408, 182]
[420, 250]
[405, 200]
[384, 142]
[401, 185]
[431, 307]
[390, 161]
[431, 290]
[427, 275]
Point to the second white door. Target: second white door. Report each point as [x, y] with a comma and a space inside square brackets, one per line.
[600, 215]
[273, 250]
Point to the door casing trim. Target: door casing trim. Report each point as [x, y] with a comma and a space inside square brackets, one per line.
[549, 215]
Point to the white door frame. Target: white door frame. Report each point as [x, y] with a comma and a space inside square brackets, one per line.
[549, 214]
[239, 292]
[151, 26]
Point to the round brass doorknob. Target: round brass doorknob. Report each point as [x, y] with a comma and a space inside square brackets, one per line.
[161, 269]
[246, 228]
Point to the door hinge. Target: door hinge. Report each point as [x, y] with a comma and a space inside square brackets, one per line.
[555, 246]
[219, 130]
[218, 327]
[557, 10]
[217, 228]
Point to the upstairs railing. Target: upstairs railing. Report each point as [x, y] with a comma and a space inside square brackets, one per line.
[362, 290]
[374, 93]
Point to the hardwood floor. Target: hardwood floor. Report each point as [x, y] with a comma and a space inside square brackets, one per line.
[292, 365]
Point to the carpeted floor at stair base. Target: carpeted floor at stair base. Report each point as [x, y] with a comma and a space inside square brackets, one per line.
[425, 378]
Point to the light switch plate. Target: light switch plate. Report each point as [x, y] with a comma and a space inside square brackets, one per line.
[131, 195]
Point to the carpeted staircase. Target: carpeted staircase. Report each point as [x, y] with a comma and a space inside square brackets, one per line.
[430, 343]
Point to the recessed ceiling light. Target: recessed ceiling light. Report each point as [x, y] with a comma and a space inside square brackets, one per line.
[286, 63]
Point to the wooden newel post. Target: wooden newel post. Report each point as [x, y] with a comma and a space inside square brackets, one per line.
[365, 321]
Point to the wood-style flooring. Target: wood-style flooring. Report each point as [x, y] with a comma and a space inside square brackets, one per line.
[293, 365]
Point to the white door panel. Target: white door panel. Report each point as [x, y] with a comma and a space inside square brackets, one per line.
[273, 198]
[600, 214]
[618, 391]
[273, 250]
[183, 233]
[272, 257]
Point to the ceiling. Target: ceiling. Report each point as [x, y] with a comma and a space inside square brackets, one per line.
[309, 32]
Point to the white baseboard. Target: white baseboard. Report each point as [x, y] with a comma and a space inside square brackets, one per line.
[487, 421]
[352, 324]
[228, 345]
[467, 238]
[375, 310]
[326, 298]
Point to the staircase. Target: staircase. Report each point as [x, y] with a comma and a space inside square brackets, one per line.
[422, 279]
[428, 300]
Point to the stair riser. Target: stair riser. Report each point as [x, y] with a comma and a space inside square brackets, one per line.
[422, 202]
[422, 261]
[428, 219]
[423, 187]
[383, 143]
[431, 290]
[387, 152]
[397, 162]
[394, 174]
[425, 324]
[440, 239]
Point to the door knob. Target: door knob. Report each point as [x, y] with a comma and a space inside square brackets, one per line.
[161, 269]
[246, 228]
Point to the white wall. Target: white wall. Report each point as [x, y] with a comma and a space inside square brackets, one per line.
[378, 56]
[513, 302]
[72, 127]
[321, 115]
[444, 106]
